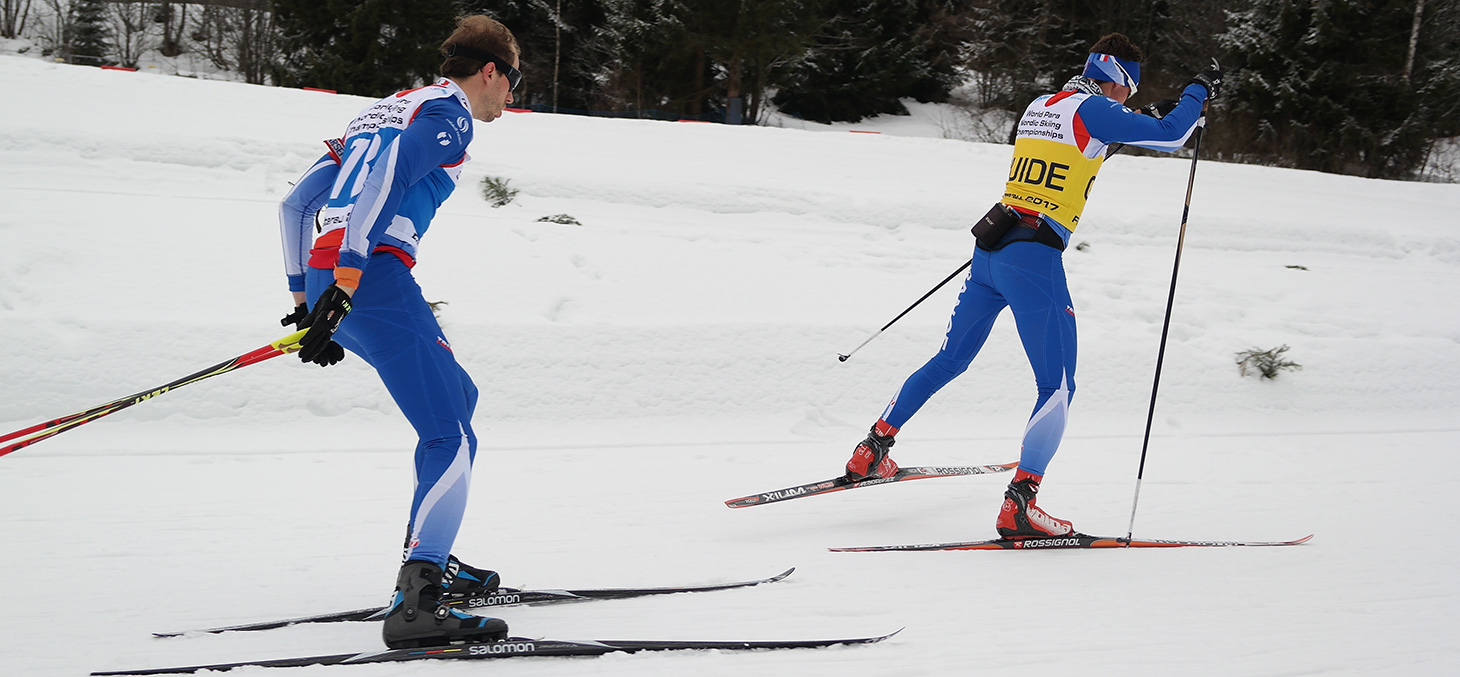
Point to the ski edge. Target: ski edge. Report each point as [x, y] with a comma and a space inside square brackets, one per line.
[551, 595]
[504, 597]
[836, 484]
[1079, 541]
[513, 647]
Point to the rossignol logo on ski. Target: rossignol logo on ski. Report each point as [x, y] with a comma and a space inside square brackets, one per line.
[875, 480]
[1047, 543]
[502, 648]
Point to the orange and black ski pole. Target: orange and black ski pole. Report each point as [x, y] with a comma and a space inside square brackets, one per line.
[41, 431]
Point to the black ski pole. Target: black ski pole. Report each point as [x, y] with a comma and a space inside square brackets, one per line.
[1165, 325]
[843, 358]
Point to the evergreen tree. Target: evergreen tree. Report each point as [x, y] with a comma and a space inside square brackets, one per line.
[1434, 75]
[662, 49]
[870, 55]
[1319, 85]
[1021, 50]
[646, 66]
[89, 40]
[369, 47]
[693, 57]
[676, 57]
[562, 48]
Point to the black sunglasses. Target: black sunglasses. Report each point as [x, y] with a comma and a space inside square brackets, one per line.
[514, 76]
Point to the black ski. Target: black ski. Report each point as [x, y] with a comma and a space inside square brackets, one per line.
[500, 597]
[842, 483]
[1069, 542]
[508, 648]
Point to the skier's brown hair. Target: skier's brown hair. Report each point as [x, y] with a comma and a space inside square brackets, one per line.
[481, 32]
[1118, 46]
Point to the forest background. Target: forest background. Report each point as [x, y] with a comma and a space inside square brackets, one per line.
[1363, 87]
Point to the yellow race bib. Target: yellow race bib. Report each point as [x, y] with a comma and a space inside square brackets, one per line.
[1055, 161]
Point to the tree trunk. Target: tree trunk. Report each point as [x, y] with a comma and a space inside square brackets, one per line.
[12, 17]
[695, 105]
[557, 50]
[1419, 8]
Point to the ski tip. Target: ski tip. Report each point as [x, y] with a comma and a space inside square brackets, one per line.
[744, 501]
[781, 576]
[1302, 540]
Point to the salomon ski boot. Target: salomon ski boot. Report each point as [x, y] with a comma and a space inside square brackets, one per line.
[460, 578]
[417, 617]
[1020, 518]
[870, 459]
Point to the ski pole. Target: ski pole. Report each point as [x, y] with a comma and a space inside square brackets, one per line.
[1165, 325]
[843, 358]
[41, 431]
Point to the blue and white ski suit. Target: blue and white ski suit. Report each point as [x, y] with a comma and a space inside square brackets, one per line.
[1060, 143]
[379, 186]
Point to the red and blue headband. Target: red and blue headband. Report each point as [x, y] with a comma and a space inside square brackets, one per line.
[1113, 69]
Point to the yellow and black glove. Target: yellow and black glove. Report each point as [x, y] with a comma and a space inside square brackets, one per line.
[318, 345]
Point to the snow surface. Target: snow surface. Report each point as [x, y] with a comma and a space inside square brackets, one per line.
[679, 349]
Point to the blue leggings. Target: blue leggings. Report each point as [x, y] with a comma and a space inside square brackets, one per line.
[391, 327]
[1029, 278]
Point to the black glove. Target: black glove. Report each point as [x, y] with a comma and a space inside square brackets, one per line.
[333, 352]
[1158, 109]
[1210, 78]
[318, 346]
[295, 318]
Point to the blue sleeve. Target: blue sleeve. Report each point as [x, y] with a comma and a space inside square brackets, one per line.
[1111, 122]
[437, 136]
[296, 216]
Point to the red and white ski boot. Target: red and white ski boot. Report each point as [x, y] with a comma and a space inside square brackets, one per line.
[870, 459]
[1020, 518]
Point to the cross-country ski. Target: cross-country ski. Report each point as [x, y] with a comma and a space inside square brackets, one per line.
[842, 483]
[514, 647]
[487, 600]
[1072, 541]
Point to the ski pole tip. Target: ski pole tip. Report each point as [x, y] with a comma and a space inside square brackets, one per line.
[842, 358]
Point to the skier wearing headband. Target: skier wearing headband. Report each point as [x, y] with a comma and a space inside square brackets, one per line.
[1060, 142]
[376, 191]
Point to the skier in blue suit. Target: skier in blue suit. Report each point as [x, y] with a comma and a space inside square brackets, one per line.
[1060, 143]
[375, 193]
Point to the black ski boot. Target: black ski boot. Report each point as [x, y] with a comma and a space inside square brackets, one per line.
[417, 617]
[461, 578]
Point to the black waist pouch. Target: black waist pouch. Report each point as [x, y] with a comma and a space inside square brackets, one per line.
[998, 228]
[991, 229]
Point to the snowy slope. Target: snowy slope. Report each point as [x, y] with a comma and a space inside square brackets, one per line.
[679, 349]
